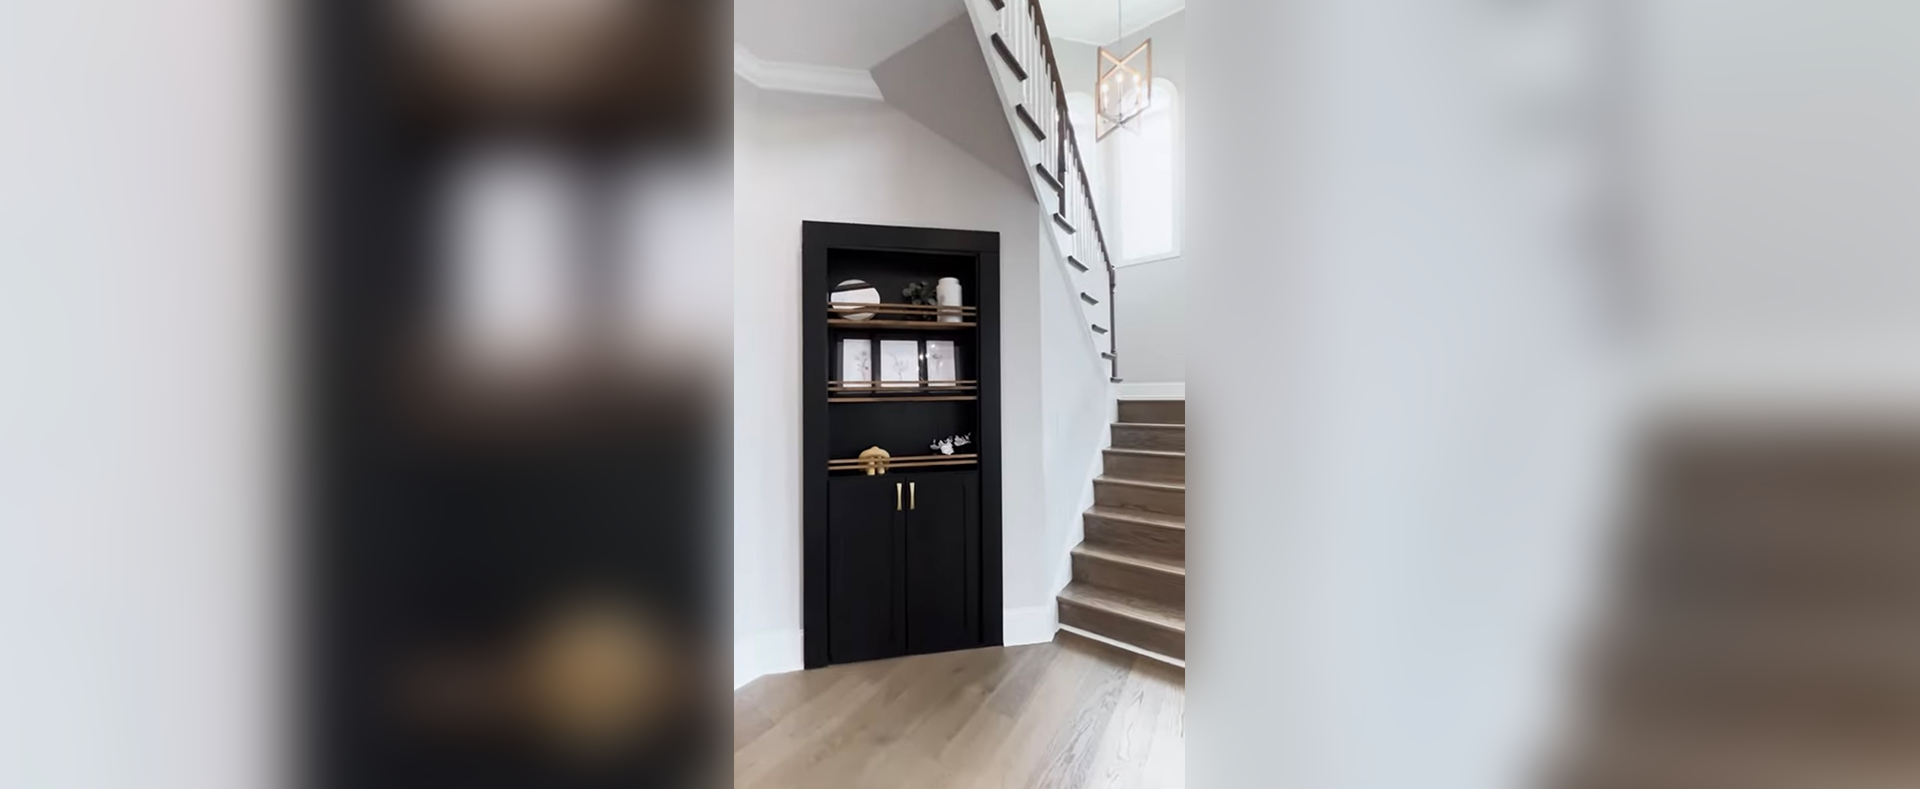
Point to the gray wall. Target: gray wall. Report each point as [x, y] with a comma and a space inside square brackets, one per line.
[942, 81]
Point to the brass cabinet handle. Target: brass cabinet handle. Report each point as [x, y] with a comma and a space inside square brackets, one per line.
[896, 497]
[913, 496]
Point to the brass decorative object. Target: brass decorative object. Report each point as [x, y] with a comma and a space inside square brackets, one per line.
[875, 460]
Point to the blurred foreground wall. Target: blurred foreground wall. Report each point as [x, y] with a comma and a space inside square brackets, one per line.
[140, 538]
[1778, 175]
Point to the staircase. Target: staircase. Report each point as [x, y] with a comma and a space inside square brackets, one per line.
[1130, 574]
[1013, 35]
[1769, 635]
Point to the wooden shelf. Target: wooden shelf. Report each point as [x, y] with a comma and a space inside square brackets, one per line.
[848, 323]
[918, 392]
[947, 399]
[905, 462]
[844, 308]
[916, 386]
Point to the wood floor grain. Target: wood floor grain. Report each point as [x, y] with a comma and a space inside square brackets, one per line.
[1064, 715]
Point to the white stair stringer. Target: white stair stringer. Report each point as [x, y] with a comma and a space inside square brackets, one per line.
[987, 21]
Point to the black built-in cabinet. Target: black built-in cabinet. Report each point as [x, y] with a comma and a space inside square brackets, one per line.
[906, 562]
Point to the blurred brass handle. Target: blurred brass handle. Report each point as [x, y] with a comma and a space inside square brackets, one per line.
[913, 496]
[896, 497]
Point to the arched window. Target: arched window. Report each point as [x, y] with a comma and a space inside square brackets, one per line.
[1145, 168]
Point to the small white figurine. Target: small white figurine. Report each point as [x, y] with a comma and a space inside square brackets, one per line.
[946, 445]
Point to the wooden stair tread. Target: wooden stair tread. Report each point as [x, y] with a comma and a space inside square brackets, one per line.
[1108, 554]
[1155, 453]
[1123, 604]
[1152, 425]
[1139, 516]
[1171, 487]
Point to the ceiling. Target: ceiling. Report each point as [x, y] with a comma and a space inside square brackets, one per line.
[855, 34]
[1098, 21]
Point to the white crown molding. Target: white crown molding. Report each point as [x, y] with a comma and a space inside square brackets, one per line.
[803, 77]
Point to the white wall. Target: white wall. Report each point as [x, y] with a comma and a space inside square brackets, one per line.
[812, 158]
[1406, 459]
[1078, 404]
[140, 554]
[1151, 299]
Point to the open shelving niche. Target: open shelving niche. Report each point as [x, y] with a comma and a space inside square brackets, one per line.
[951, 402]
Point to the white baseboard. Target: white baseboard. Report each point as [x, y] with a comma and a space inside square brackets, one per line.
[1122, 645]
[1172, 390]
[761, 654]
[1031, 625]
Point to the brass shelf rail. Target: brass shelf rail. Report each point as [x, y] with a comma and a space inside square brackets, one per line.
[905, 462]
[901, 309]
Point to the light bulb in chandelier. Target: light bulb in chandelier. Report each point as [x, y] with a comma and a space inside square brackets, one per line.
[1125, 87]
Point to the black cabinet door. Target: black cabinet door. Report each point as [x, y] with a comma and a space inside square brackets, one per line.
[942, 561]
[865, 549]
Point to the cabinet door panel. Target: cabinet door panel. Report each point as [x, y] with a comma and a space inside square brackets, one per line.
[942, 562]
[865, 545]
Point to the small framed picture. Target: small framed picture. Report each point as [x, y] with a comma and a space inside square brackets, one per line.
[856, 363]
[900, 363]
[942, 368]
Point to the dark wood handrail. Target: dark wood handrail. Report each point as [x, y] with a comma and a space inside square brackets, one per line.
[1071, 143]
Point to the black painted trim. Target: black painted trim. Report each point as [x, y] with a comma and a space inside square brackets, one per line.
[817, 238]
[1051, 181]
[1098, 329]
[1032, 126]
[1006, 55]
[1089, 299]
[1063, 223]
[1075, 262]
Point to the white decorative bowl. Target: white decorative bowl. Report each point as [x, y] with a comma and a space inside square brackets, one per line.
[855, 291]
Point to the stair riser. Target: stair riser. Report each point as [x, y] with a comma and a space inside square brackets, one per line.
[1152, 468]
[1155, 585]
[1167, 439]
[1162, 412]
[1133, 497]
[1152, 638]
[1137, 538]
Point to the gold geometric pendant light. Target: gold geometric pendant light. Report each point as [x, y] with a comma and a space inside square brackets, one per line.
[1124, 88]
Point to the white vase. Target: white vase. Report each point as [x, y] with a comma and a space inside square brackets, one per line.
[949, 292]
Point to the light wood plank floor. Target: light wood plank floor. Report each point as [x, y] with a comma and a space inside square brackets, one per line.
[1072, 713]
